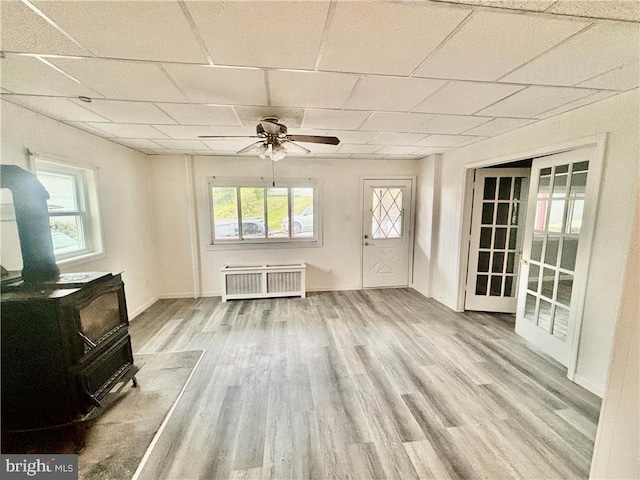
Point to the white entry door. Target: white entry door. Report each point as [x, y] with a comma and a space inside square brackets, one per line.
[560, 221]
[497, 224]
[386, 233]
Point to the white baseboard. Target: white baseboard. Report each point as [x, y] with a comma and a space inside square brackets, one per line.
[139, 310]
[589, 385]
[169, 296]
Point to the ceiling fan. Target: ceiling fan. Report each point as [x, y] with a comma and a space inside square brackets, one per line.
[274, 141]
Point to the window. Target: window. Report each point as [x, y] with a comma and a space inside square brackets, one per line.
[248, 211]
[73, 208]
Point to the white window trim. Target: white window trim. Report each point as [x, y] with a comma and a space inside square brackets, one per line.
[253, 243]
[90, 197]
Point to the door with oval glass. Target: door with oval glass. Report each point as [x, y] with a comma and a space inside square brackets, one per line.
[560, 220]
[497, 224]
[386, 232]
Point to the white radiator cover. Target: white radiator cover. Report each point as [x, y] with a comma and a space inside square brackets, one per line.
[263, 281]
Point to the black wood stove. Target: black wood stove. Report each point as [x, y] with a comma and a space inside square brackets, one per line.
[65, 339]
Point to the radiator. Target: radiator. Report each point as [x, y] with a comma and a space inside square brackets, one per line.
[263, 281]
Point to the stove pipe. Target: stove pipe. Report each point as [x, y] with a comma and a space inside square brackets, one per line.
[32, 217]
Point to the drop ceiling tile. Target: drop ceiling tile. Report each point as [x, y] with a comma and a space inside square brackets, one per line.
[334, 119]
[124, 130]
[181, 144]
[532, 101]
[136, 30]
[229, 146]
[527, 5]
[121, 111]
[597, 50]
[492, 44]
[223, 86]
[265, 34]
[25, 31]
[396, 122]
[250, 116]
[596, 97]
[392, 138]
[55, 107]
[356, 148]
[445, 140]
[122, 80]
[190, 114]
[395, 94]
[498, 126]
[397, 150]
[465, 97]
[90, 129]
[621, 78]
[348, 136]
[386, 37]
[310, 89]
[137, 143]
[28, 75]
[616, 10]
[452, 123]
[431, 151]
[185, 132]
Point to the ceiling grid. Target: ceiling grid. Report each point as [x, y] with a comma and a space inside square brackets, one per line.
[395, 80]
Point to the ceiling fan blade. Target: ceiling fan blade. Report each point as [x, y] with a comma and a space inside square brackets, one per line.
[251, 147]
[314, 139]
[228, 136]
[291, 147]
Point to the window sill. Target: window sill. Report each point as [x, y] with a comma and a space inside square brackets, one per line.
[80, 259]
[263, 245]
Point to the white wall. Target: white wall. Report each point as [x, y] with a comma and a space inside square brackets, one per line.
[616, 116]
[426, 221]
[333, 266]
[617, 442]
[123, 184]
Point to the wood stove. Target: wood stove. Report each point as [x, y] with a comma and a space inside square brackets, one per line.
[65, 339]
[65, 344]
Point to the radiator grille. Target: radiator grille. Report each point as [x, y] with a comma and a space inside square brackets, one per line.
[243, 284]
[284, 282]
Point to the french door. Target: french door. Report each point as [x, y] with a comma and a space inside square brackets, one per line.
[386, 236]
[560, 216]
[497, 224]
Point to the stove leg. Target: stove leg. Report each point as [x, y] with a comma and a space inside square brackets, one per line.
[134, 382]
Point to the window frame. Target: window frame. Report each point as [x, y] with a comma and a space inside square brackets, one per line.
[267, 242]
[86, 191]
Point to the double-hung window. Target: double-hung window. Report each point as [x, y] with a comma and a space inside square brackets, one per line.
[251, 211]
[72, 206]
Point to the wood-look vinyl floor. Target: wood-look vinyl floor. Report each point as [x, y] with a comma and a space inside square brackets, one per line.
[362, 384]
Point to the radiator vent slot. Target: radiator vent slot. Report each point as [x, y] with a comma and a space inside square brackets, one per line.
[243, 284]
[263, 281]
[283, 281]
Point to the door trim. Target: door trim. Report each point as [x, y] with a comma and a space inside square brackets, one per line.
[411, 230]
[600, 143]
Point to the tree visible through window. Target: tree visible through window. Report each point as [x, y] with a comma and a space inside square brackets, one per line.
[263, 214]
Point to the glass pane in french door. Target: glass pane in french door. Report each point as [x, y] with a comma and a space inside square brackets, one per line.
[499, 245]
[559, 205]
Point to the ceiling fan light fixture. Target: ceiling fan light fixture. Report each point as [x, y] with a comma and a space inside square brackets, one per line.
[278, 153]
[264, 150]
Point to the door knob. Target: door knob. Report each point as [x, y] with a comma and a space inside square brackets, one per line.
[524, 261]
[366, 244]
[366, 236]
